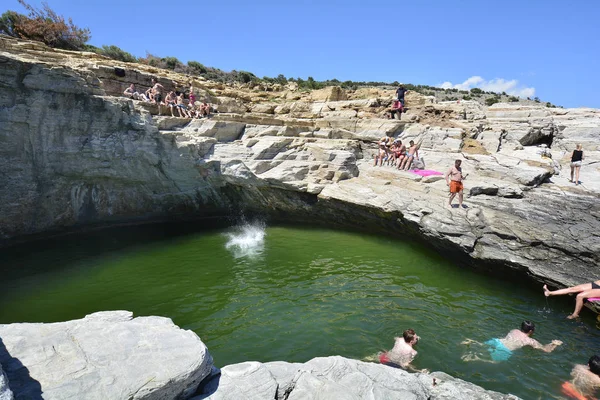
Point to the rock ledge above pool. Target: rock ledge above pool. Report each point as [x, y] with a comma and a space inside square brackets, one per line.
[111, 355]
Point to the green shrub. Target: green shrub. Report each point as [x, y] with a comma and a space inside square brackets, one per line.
[492, 100]
[197, 68]
[116, 54]
[476, 91]
[8, 21]
[536, 99]
[466, 97]
[513, 99]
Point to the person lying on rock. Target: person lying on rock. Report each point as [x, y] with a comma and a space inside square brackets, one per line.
[403, 352]
[584, 291]
[586, 380]
[501, 349]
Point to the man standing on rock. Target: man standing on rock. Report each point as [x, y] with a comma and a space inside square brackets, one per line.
[400, 94]
[157, 92]
[454, 178]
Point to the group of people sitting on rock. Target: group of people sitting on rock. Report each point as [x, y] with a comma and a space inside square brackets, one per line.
[172, 100]
[394, 153]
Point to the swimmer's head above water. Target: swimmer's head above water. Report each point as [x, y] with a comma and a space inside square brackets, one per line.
[410, 336]
[527, 327]
[594, 364]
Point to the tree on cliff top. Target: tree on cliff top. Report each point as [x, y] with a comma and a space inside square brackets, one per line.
[44, 25]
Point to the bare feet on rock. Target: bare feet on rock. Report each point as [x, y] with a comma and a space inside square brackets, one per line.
[573, 316]
[546, 291]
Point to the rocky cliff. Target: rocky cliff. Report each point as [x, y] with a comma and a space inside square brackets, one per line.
[76, 153]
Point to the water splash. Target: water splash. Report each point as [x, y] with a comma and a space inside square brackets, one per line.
[246, 240]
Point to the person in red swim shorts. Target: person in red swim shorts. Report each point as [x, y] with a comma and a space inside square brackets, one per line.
[454, 178]
[585, 382]
[403, 352]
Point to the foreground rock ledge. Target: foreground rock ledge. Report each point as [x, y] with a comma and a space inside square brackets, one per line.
[337, 378]
[111, 355]
[106, 355]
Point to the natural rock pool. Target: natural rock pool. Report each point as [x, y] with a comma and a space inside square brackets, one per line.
[266, 293]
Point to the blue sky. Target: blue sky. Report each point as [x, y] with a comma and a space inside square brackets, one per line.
[539, 48]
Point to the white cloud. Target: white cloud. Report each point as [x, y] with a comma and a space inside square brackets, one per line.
[498, 85]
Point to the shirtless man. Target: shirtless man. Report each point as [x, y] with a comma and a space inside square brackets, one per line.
[171, 101]
[584, 291]
[181, 107]
[586, 380]
[403, 352]
[157, 93]
[501, 349]
[400, 153]
[454, 178]
[412, 152]
[205, 109]
[131, 92]
[382, 153]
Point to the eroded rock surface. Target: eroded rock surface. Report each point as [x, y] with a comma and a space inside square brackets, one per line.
[106, 355]
[336, 378]
[75, 153]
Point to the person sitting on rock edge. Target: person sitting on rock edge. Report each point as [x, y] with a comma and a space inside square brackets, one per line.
[131, 92]
[382, 152]
[395, 109]
[584, 291]
[411, 153]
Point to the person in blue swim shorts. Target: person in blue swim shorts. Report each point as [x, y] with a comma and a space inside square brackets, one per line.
[501, 349]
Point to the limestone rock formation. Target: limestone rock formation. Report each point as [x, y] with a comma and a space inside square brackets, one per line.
[76, 153]
[106, 355]
[336, 378]
[5, 392]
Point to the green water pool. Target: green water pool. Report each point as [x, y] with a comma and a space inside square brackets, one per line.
[265, 293]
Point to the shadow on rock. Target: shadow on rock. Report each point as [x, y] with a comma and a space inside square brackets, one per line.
[20, 382]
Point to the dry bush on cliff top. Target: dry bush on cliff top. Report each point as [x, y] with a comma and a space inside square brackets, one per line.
[46, 26]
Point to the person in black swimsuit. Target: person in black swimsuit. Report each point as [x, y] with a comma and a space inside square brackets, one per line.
[584, 291]
[576, 160]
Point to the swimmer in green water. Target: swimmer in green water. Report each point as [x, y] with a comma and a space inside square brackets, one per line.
[501, 349]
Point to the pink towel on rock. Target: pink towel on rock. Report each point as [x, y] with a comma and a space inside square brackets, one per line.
[425, 172]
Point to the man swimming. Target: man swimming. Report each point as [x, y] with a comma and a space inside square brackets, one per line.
[501, 349]
[403, 352]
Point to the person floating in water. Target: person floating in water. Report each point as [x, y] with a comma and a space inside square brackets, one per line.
[403, 352]
[584, 291]
[502, 349]
[586, 380]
